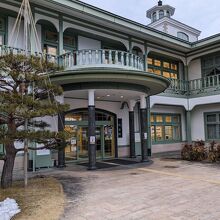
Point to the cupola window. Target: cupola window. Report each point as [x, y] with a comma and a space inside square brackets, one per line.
[154, 16]
[161, 14]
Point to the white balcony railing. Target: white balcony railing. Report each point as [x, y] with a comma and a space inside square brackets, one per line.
[86, 58]
[101, 58]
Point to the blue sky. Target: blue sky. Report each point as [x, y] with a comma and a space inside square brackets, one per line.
[201, 14]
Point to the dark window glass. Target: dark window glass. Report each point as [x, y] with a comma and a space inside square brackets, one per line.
[51, 36]
[154, 16]
[211, 131]
[161, 14]
[211, 65]
[183, 36]
[211, 118]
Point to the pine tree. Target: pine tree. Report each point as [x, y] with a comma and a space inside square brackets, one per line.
[26, 95]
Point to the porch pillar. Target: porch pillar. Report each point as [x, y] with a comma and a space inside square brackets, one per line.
[61, 126]
[149, 145]
[188, 127]
[132, 129]
[91, 130]
[143, 120]
[61, 151]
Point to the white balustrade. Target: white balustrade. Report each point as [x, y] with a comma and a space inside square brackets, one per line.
[86, 58]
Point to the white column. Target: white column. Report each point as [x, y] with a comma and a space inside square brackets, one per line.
[157, 12]
[131, 105]
[143, 102]
[165, 13]
[91, 97]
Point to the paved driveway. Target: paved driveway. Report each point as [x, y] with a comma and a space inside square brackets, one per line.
[165, 190]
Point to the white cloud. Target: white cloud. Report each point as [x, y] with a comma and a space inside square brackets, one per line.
[201, 14]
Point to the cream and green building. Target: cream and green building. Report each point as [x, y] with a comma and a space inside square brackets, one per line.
[133, 89]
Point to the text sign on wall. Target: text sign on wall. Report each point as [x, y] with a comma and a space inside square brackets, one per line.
[120, 132]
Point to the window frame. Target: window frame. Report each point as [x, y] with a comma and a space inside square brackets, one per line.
[217, 122]
[161, 14]
[161, 68]
[212, 67]
[48, 43]
[164, 124]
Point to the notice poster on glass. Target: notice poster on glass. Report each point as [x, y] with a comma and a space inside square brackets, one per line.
[137, 137]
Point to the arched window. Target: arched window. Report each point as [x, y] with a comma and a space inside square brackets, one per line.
[161, 14]
[168, 14]
[183, 36]
[154, 16]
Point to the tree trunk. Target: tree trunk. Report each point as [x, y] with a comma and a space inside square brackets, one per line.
[7, 173]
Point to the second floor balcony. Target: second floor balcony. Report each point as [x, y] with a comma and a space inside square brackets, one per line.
[87, 58]
[209, 85]
[110, 59]
[101, 58]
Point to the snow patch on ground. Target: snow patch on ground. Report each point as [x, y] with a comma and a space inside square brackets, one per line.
[8, 209]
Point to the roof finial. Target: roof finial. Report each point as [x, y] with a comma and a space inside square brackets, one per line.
[160, 3]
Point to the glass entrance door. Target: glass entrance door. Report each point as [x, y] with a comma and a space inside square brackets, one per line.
[76, 124]
[109, 145]
[82, 143]
[99, 142]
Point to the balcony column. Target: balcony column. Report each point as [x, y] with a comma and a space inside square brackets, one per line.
[145, 58]
[130, 45]
[186, 77]
[60, 35]
[149, 145]
[91, 130]
[186, 72]
[188, 127]
[132, 129]
[143, 121]
[33, 44]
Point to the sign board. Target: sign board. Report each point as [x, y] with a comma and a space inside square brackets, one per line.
[120, 131]
[137, 137]
[92, 140]
[43, 152]
[73, 141]
[145, 136]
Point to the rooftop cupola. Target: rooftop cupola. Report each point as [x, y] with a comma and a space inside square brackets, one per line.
[159, 11]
